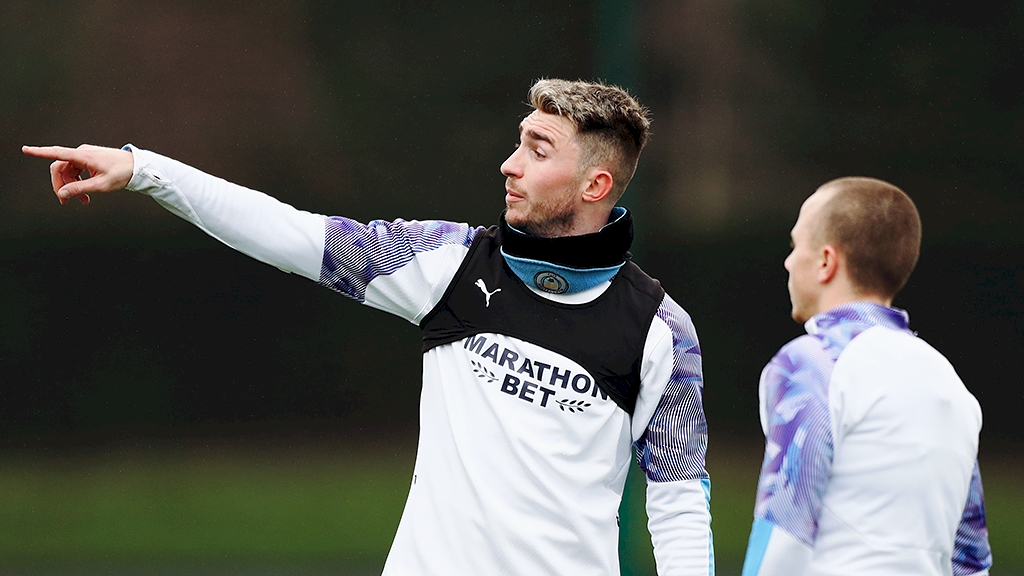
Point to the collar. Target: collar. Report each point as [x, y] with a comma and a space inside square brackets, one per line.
[607, 247]
[859, 313]
[569, 264]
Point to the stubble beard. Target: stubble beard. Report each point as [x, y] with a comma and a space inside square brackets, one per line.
[551, 219]
[547, 221]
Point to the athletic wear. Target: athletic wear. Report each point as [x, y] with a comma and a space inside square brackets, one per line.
[871, 455]
[525, 426]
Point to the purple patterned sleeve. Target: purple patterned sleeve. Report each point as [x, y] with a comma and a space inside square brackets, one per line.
[676, 440]
[971, 552]
[355, 253]
[798, 443]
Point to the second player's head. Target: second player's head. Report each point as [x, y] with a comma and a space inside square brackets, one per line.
[867, 229]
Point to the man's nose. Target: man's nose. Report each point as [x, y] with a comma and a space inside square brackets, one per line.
[510, 167]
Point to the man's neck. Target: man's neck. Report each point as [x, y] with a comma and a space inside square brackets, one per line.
[835, 299]
[607, 246]
[590, 221]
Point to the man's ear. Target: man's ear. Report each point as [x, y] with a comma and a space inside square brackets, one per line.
[829, 266]
[599, 185]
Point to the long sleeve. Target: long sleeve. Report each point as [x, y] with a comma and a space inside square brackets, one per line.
[671, 441]
[871, 442]
[796, 419]
[402, 267]
[248, 221]
[971, 552]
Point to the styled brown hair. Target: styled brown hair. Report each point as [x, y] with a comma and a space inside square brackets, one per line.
[877, 227]
[611, 126]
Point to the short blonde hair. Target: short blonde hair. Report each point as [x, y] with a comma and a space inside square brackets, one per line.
[612, 128]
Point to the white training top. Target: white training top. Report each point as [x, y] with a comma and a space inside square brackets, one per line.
[871, 455]
[502, 484]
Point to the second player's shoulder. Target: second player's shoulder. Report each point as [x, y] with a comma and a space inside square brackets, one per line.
[803, 363]
[879, 353]
[890, 341]
[882, 359]
[805, 350]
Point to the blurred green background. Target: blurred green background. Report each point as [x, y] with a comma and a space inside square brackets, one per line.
[263, 504]
[168, 406]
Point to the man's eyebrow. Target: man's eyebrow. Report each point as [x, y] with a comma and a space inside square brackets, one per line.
[533, 134]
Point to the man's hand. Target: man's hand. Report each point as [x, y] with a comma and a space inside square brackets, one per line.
[108, 169]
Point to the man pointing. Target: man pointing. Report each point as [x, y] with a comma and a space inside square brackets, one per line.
[547, 353]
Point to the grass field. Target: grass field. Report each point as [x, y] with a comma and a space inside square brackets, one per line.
[312, 510]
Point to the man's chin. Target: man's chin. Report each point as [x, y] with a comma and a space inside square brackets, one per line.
[513, 217]
[529, 223]
[798, 316]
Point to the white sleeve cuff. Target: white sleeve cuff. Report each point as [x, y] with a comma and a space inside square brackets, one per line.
[679, 519]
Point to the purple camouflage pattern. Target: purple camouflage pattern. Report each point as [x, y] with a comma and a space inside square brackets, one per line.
[672, 448]
[799, 443]
[971, 551]
[356, 253]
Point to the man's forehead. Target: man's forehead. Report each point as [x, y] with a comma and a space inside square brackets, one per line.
[812, 212]
[816, 201]
[550, 127]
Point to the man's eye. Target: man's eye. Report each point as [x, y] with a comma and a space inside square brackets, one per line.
[538, 153]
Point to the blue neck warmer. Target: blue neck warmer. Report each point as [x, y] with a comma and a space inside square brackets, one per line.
[569, 264]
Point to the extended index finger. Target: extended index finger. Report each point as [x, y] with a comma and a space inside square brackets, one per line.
[53, 153]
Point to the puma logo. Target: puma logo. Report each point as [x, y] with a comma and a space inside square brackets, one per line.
[483, 288]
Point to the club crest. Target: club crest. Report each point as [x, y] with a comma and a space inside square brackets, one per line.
[550, 282]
